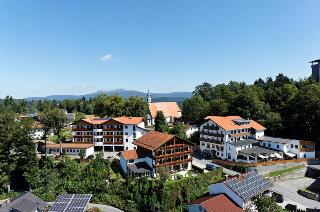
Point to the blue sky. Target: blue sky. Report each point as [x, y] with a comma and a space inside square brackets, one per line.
[77, 47]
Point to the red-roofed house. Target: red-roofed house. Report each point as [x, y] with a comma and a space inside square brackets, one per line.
[116, 134]
[170, 110]
[155, 150]
[216, 131]
[217, 203]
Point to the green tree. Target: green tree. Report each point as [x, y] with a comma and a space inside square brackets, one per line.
[194, 109]
[82, 154]
[179, 130]
[136, 107]
[273, 122]
[108, 106]
[265, 203]
[160, 122]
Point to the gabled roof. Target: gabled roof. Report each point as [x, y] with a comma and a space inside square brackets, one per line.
[129, 154]
[217, 203]
[122, 119]
[129, 120]
[95, 120]
[27, 202]
[169, 109]
[248, 185]
[229, 123]
[153, 140]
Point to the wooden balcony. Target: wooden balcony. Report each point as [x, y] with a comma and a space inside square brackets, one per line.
[239, 134]
[175, 162]
[210, 127]
[211, 141]
[113, 142]
[212, 134]
[302, 149]
[81, 129]
[174, 154]
[112, 129]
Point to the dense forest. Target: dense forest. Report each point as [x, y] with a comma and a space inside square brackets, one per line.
[288, 108]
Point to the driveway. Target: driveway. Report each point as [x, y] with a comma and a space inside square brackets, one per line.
[105, 208]
[200, 162]
[289, 190]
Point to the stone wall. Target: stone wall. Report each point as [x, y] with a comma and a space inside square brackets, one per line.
[289, 175]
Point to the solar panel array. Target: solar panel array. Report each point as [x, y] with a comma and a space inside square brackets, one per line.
[71, 203]
[248, 185]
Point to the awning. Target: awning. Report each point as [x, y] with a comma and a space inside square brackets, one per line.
[262, 156]
[278, 155]
[290, 154]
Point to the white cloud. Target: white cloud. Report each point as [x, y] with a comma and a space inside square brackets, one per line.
[106, 57]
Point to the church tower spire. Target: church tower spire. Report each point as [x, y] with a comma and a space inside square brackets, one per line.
[148, 97]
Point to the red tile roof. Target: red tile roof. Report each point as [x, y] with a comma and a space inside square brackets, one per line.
[219, 203]
[71, 145]
[169, 109]
[129, 120]
[227, 123]
[122, 119]
[153, 140]
[129, 154]
[94, 120]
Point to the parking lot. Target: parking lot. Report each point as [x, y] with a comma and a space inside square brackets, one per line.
[201, 162]
[289, 190]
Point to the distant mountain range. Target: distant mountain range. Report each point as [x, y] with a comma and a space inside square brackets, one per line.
[156, 97]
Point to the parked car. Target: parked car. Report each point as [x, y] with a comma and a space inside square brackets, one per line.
[278, 197]
[211, 166]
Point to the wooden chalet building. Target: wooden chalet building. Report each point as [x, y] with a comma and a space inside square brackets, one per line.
[155, 150]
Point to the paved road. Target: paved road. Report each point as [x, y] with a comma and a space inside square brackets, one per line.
[289, 190]
[104, 208]
[198, 161]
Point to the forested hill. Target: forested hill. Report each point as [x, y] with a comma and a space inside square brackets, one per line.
[157, 97]
[288, 108]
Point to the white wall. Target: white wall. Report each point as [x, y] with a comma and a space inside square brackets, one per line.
[71, 151]
[128, 134]
[259, 134]
[191, 130]
[221, 188]
[274, 145]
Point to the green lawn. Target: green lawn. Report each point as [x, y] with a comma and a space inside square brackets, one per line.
[283, 171]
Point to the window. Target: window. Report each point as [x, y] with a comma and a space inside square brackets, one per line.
[291, 145]
[277, 146]
[125, 127]
[296, 146]
[126, 133]
[134, 128]
[127, 140]
[269, 145]
[203, 144]
[126, 148]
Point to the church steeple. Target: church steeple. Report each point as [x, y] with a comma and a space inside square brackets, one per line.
[148, 97]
